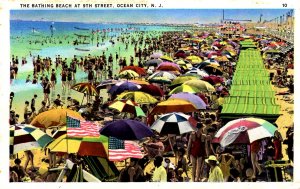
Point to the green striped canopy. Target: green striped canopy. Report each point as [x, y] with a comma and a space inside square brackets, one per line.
[25, 137]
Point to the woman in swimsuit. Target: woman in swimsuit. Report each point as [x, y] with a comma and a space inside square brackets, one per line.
[53, 79]
[46, 87]
[63, 78]
[196, 151]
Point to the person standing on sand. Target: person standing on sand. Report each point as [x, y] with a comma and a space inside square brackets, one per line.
[26, 111]
[33, 103]
[197, 152]
[53, 79]
[46, 89]
[254, 148]
[63, 79]
[29, 158]
[69, 78]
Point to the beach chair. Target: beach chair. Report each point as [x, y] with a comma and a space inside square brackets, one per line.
[103, 169]
[276, 170]
[77, 174]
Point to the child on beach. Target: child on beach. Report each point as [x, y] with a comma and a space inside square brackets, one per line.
[26, 111]
[33, 103]
[46, 90]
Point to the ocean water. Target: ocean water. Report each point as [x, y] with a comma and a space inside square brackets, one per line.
[22, 32]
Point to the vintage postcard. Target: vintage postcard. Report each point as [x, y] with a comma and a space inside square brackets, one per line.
[148, 91]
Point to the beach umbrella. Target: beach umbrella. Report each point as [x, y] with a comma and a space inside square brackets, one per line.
[138, 97]
[212, 79]
[85, 146]
[123, 86]
[222, 59]
[86, 88]
[173, 105]
[163, 74]
[194, 59]
[156, 55]
[181, 79]
[105, 83]
[212, 69]
[138, 70]
[213, 54]
[54, 118]
[244, 131]
[166, 58]
[206, 63]
[139, 82]
[200, 85]
[24, 137]
[128, 74]
[201, 73]
[192, 75]
[168, 66]
[181, 54]
[184, 88]
[153, 62]
[59, 132]
[160, 80]
[126, 129]
[174, 123]
[127, 106]
[152, 89]
[194, 99]
[185, 65]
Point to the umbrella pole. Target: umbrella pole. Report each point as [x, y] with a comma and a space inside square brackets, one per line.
[82, 99]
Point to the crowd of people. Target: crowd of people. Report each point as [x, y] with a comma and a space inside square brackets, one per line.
[193, 152]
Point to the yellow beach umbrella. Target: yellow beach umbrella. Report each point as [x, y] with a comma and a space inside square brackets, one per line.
[194, 59]
[54, 118]
[200, 85]
[128, 74]
[173, 105]
[182, 79]
[138, 97]
[139, 82]
[86, 146]
[222, 59]
[184, 65]
[184, 88]
[167, 58]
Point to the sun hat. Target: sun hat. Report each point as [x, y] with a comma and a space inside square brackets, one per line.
[212, 158]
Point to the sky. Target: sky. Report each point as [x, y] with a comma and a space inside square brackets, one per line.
[178, 16]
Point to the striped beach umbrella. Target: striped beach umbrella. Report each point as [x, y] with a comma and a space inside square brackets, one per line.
[86, 88]
[162, 74]
[174, 123]
[127, 106]
[244, 131]
[128, 74]
[26, 137]
[84, 146]
[160, 80]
